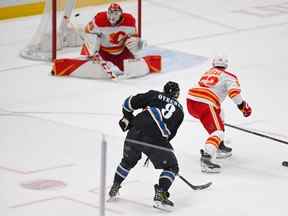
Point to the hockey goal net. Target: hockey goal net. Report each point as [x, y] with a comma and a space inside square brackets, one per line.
[53, 34]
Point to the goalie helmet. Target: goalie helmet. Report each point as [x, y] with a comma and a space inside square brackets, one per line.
[220, 61]
[172, 89]
[114, 13]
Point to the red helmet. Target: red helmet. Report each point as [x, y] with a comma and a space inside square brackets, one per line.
[114, 13]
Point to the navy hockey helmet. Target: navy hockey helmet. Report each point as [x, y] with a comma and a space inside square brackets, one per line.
[172, 89]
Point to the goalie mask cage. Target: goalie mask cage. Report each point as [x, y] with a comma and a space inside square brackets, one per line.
[53, 35]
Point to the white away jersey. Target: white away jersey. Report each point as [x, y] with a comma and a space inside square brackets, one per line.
[213, 87]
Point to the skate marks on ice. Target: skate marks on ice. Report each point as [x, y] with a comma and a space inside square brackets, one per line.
[125, 203]
[64, 199]
[146, 207]
[129, 204]
[122, 202]
[96, 190]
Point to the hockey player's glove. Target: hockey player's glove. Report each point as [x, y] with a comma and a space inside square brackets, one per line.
[245, 109]
[124, 124]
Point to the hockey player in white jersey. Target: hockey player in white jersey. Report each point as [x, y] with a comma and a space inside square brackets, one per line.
[204, 103]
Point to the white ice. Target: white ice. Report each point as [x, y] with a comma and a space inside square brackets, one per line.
[51, 128]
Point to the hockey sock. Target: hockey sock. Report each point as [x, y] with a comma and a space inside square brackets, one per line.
[166, 179]
[121, 174]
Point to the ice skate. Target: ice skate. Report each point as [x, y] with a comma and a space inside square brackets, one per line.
[161, 200]
[223, 151]
[207, 166]
[114, 191]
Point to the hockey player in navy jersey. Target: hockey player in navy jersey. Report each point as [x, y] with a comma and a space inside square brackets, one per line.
[150, 132]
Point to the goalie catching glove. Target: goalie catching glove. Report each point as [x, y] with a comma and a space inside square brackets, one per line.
[245, 109]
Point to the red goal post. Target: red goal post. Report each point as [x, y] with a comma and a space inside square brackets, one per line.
[52, 35]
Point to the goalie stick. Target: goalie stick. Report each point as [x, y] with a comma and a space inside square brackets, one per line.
[195, 187]
[94, 57]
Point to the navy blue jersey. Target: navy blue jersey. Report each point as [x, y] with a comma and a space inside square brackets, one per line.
[165, 112]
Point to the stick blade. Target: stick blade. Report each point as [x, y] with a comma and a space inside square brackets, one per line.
[201, 187]
[195, 187]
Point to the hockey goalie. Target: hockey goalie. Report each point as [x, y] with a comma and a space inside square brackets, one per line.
[110, 49]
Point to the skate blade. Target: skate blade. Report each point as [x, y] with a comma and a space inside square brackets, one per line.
[112, 199]
[220, 155]
[208, 170]
[160, 206]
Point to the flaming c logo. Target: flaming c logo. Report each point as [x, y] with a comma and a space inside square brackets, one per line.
[117, 37]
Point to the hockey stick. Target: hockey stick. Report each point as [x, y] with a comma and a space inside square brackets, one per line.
[95, 57]
[256, 133]
[195, 187]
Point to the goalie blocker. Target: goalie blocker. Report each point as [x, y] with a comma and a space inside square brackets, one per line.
[88, 68]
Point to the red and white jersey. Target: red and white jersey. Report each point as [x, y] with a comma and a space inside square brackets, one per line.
[112, 38]
[213, 87]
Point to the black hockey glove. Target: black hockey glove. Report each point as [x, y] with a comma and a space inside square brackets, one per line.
[124, 124]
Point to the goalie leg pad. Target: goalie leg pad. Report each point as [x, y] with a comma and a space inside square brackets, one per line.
[83, 68]
[141, 66]
[65, 67]
[135, 68]
[154, 63]
[91, 70]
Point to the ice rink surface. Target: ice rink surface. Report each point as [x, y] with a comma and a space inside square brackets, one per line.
[51, 128]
